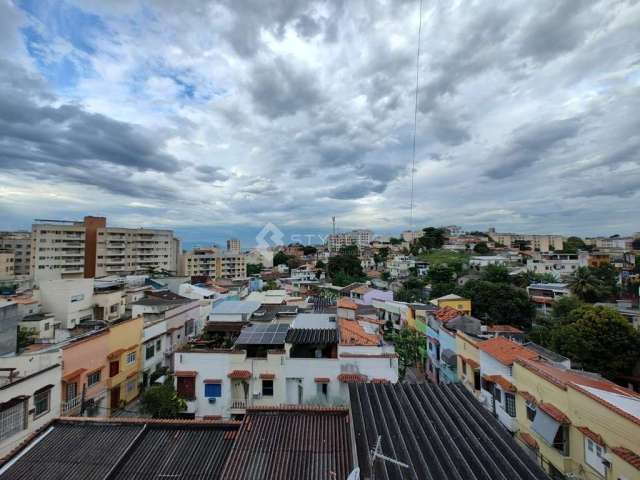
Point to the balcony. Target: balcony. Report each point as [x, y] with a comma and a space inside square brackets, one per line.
[238, 406]
[71, 407]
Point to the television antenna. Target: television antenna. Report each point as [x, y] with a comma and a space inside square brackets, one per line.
[376, 453]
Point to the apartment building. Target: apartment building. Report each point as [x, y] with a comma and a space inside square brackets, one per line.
[560, 265]
[360, 238]
[20, 244]
[544, 294]
[211, 262]
[538, 243]
[88, 248]
[233, 245]
[7, 264]
[410, 236]
[71, 300]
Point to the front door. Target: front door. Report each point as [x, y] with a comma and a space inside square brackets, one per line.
[115, 398]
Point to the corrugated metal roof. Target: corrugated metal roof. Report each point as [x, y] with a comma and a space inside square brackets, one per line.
[305, 336]
[293, 443]
[440, 431]
[235, 307]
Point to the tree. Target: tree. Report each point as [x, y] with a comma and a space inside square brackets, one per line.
[294, 262]
[381, 256]
[562, 308]
[496, 274]
[481, 248]
[349, 250]
[270, 285]
[499, 303]
[162, 401]
[599, 339]
[320, 264]
[346, 268]
[573, 244]
[441, 289]
[608, 276]
[407, 345]
[25, 337]
[543, 331]
[385, 276]
[309, 250]
[636, 243]
[280, 258]
[395, 241]
[432, 238]
[586, 286]
[526, 278]
[254, 268]
[440, 274]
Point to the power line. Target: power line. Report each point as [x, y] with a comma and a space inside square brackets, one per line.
[415, 116]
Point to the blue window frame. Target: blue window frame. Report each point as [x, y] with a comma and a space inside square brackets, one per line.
[212, 390]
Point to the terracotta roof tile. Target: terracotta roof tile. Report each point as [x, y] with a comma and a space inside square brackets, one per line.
[529, 440]
[554, 412]
[500, 380]
[506, 351]
[379, 380]
[503, 328]
[243, 374]
[322, 380]
[352, 377]
[212, 380]
[528, 397]
[628, 456]
[267, 376]
[347, 303]
[592, 435]
[351, 333]
[469, 361]
[447, 313]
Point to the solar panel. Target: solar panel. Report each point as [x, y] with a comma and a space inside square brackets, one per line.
[270, 334]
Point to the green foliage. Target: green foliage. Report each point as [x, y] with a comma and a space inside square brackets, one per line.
[25, 337]
[349, 250]
[280, 258]
[345, 269]
[254, 268]
[294, 262]
[395, 241]
[441, 289]
[481, 248]
[499, 303]
[440, 274]
[636, 244]
[456, 260]
[432, 238]
[573, 244]
[381, 256]
[542, 332]
[407, 344]
[309, 250]
[587, 286]
[270, 285]
[385, 276]
[524, 279]
[562, 308]
[598, 339]
[496, 274]
[320, 264]
[162, 401]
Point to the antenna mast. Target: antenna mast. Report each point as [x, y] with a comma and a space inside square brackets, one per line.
[377, 453]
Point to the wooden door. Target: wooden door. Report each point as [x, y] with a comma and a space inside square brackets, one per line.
[115, 398]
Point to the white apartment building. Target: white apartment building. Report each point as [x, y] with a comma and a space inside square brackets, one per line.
[211, 262]
[20, 244]
[560, 265]
[70, 300]
[260, 255]
[400, 265]
[360, 238]
[411, 236]
[538, 243]
[29, 395]
[311, 361]
[88, 248]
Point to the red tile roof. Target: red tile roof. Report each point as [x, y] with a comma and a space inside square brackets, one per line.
[322, 379]
[352, 377]
[379, 380]
[267, 376]
[472, 363]
[528, 397]
[628, 456]
[347, 303]
[447, 313]
[529, 440]
[592, 435]
[351, 333]
[240, 374]
[500, 380]
[503, 328]
[506, 351]
[186, 373]
[554, 412]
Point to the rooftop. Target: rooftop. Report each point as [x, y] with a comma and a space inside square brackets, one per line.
[347, 303]
[37, 317]
[235, 307]
[352, 333]
[440, 431]
[506, 351]
[164, 298]
[312, 336]
[314, 320]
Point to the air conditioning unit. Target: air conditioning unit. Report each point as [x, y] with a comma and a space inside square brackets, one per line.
[257, 394]
[212, 399]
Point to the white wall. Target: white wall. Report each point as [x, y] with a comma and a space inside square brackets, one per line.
[490, 366]
[68, 299]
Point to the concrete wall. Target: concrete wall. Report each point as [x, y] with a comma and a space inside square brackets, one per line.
[8, 327]
[68, 299]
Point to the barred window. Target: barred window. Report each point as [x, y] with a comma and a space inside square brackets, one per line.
[41, 402]
[510, 404]
[12, 419]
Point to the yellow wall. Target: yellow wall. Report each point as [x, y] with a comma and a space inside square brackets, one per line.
[461, 304]
[615, 429]
[466, 347]
[122, 336]
[411, 320]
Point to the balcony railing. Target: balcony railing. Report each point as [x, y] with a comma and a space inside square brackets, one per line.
[238, 404]
[70, 406]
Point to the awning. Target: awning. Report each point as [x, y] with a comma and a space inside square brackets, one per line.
[239, 374]
[545, 426]
[186, 373]
[449, 357]
[208, 381]
[267, 376]
[322, 380]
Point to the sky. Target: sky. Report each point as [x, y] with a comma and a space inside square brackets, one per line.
[215, 118]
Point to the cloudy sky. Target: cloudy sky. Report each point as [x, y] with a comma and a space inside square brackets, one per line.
[222, 116]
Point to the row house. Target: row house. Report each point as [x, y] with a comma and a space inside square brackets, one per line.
[310, 361]
[29, 395]
[576, 424]
[544, 294]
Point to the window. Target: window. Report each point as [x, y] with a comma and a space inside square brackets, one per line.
[267, 388]
[531, 411]
[561, 441]
[131, 357]
[12, 418]
[593, 454]
[464, 368]
[149, 351]
[72, 390]
[158, 345]
[187, 387]
[41, 402]
[77, 298]
[497, 394]
[476, 380]
[212, 390]
[323, 389]
[510, 404]
[93, 378]
[46, 326]
[131, 385]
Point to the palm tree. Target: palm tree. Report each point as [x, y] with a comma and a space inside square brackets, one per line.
[585, 285]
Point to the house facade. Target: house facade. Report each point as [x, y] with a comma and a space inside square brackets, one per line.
[124, 362]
